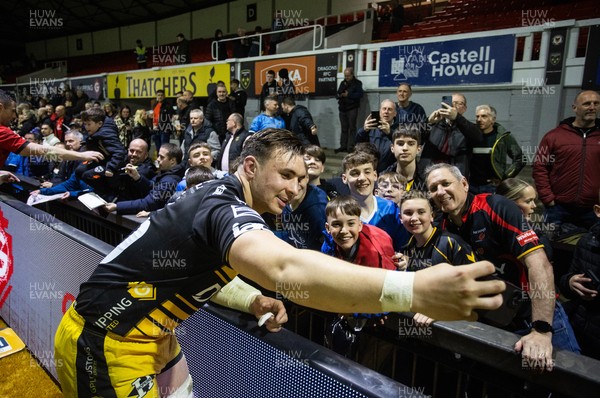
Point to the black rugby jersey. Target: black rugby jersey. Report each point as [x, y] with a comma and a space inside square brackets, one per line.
[498, 232]
[441, 247]
[174, 262]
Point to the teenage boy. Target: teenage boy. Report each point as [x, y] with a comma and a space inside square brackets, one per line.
[366, 245]
[360, 175]
[429, 245]
[315, 165]
[406, 145]
[103, 137]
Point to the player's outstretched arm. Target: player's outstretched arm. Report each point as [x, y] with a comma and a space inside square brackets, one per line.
[56, 153]
[315, 280]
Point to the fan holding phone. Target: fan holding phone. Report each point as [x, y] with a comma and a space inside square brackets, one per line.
[451, 136]
[377, 129]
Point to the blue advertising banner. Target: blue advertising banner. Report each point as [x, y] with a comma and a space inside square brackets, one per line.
[450, 63]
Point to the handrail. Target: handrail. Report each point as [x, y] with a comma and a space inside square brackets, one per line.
[214, 47]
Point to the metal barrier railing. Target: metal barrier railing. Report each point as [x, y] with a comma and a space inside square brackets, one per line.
[449, 359]
[318, 37]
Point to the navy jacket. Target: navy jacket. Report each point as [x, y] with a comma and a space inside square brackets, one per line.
[161, 188]
[106, 141]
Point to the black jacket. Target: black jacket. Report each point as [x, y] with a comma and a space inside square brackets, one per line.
[355, 93]
[450, 143]
[106, 141]
[164, 118]
[236, 146]
[217, 113]
[127, 189]
[240, 98]
[300, 122]
[160, 189]
[585, 316]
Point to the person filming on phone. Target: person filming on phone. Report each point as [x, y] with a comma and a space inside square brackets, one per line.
[377, 130]
[452, 137]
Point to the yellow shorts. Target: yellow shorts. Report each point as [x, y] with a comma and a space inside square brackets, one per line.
[92, 362]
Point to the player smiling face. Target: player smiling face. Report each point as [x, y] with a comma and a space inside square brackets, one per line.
[276, 181]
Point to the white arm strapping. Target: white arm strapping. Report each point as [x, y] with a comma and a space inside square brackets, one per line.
[237, 295]
[397, 291]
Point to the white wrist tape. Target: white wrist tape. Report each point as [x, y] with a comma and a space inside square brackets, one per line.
[237, 294]
[185, 390]
[397, 291]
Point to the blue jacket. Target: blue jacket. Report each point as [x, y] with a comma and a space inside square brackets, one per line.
[387, 217]
[264, 121]
[304, 228]
[73, 185]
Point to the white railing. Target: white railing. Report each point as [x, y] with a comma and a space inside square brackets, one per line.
[318, 36]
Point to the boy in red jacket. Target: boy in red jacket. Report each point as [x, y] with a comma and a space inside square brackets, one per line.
[356, 242]
[366, 245]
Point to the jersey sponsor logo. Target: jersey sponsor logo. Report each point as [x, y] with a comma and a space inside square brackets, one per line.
[142, 291]
[527, 237]
[244, 211]
[112, 312]
[237, 230]
[141, 386]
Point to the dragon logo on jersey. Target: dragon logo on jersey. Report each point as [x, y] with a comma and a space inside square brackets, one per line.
[142, 291]
[141, 386]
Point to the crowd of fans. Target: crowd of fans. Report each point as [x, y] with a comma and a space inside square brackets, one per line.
[415, 190]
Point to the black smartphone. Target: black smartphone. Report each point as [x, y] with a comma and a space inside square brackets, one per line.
[447, 99]
[595, 283]
[375, 115]
[513, 298]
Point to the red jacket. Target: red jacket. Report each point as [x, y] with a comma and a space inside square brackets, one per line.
[375, 249]
[566, 164]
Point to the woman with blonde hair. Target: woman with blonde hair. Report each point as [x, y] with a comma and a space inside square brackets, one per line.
[140, 126]
[521, 192]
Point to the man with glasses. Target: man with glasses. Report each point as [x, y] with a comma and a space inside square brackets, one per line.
[451, 138]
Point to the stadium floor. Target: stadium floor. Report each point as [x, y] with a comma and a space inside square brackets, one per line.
[21, 376]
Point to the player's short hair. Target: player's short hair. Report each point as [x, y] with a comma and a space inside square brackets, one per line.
[268, 142]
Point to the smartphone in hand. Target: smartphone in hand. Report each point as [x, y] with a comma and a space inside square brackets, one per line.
[447, 99]
[375, 115]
